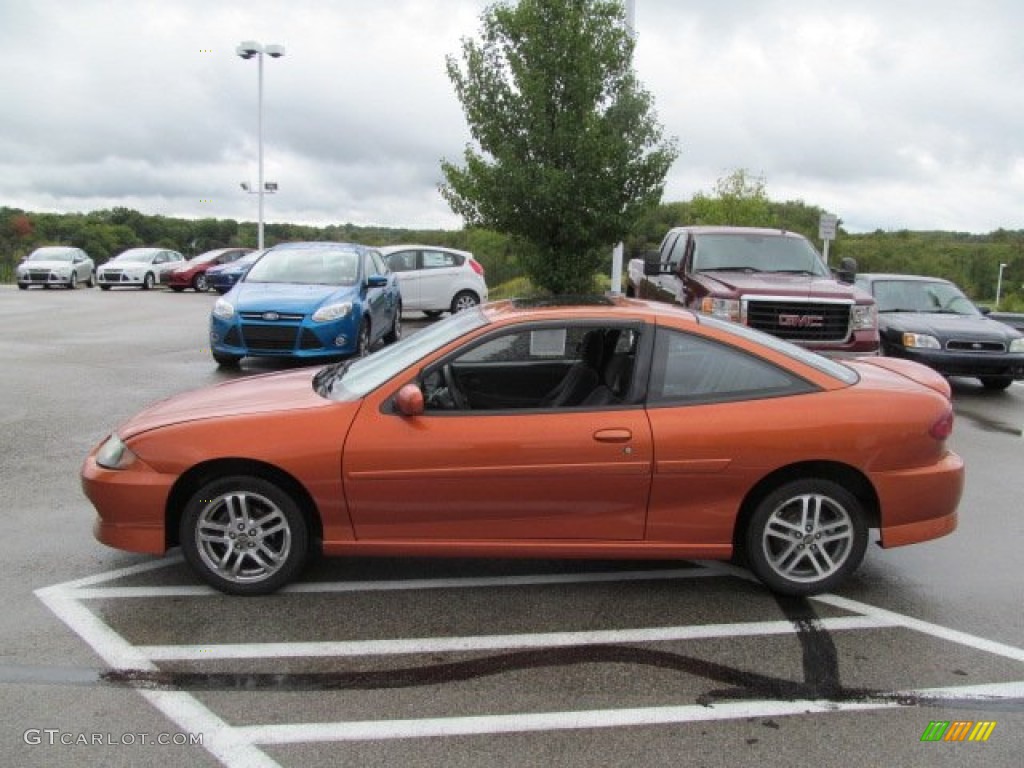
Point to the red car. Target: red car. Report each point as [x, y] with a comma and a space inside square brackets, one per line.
[192, 274]
[605, 428]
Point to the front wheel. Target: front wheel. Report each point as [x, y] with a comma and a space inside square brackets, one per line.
[244, 535]
[200, 283]
[148, 281]
[91, 282]
[73, 280]
[806, 537]
[226, 361]
[363, 339]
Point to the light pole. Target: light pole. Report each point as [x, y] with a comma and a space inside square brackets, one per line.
[618, 252]
[999, 284]
[247, 49]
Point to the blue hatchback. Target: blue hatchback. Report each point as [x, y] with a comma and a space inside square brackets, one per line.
[308, 300]
[222, 278]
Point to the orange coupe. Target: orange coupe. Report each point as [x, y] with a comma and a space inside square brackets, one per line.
[601, 428]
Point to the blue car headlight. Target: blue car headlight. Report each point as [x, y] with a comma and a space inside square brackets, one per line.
[332, 312]
[224, 309]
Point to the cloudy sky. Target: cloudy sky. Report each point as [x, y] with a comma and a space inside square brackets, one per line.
[891, 113]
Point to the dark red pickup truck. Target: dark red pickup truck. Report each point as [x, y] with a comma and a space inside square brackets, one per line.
[769, 279]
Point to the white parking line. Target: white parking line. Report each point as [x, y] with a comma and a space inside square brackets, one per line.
[239, 745]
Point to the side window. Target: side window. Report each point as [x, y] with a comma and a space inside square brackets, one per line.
[402, 261]
[676, 254]
[440, 259]
[691, 369]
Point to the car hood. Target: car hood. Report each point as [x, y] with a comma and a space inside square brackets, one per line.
[286, 297]
[779, 284]
[48, 264]
[944, 326]
[283, 391]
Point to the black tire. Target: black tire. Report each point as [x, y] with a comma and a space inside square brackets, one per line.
[91, 282]
[22, 287]
[464, 300]
[148, 281]
[997, 383]
[73, 281]
[177, 288]
[433, 314]
[226, 361]
[200, 283]
[396, 327]
[244, 535]
[104, 287]
[363, 339]
[820, 512]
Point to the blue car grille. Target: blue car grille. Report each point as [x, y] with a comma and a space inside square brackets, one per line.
[270, 337]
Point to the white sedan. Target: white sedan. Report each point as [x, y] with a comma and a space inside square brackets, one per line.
[138, 268]
[435, 280]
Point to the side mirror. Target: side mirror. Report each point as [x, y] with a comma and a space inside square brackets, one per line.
[409, 400]
[984, 310]
[847, 271]
[376, 281]
[653, 265]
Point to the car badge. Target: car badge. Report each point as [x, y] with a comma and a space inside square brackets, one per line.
[271, 316]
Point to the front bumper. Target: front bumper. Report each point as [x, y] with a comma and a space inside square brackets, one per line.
[42, 278]
[966, 363]
[130, 504]
[122, 278]
[299, 338]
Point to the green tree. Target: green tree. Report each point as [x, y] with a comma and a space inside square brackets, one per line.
[568, 150]
[739, 200]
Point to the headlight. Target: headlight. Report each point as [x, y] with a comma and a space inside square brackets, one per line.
[1017, 345]
[920, 341]
[114, 454]
[864, 317]
[332, 312]
[223, 309]
[727, 309]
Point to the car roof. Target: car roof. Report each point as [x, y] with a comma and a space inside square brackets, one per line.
[314, 244]
[728, 230]
[610, 307]
[876, 276]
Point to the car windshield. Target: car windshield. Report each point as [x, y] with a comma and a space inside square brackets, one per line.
[759, 253]
[51, 254]
[142, 255]
[928, 296]
[307, 266]
[353, 379]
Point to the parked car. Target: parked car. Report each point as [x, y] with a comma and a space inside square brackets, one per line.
[435, 280]
[930, 321]
[138, 268]
[193, 273]
[56, 265]
[222, 278]
[769, 279]
[609, 429]
[308, 300]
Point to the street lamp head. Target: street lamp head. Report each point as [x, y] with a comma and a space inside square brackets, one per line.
[274, 51]
[248, 48]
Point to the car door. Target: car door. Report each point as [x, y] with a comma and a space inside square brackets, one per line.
[439, 271]
[572, 473]
[378, 298]
[405, 265]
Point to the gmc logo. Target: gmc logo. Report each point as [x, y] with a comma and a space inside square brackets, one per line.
[801, 321]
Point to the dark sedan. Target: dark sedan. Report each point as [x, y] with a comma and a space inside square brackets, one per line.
[929, 320]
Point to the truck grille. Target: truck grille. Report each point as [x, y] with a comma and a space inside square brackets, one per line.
[800, 321]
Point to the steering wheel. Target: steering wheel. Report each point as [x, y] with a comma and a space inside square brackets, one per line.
[456, 394]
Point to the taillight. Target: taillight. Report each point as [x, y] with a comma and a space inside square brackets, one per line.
[477, 267]
[943, 427]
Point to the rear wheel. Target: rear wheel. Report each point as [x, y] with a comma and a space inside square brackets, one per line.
[244, 535]
[997, 382]
[396, 327]
[464, 300]
[806, 537]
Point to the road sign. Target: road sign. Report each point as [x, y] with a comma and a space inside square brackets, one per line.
[827, 226]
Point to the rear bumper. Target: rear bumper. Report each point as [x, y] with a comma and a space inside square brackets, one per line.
[920, 504]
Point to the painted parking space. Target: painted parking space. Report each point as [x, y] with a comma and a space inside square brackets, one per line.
[205, 684]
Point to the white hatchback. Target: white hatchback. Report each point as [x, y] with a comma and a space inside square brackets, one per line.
[434, 279]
